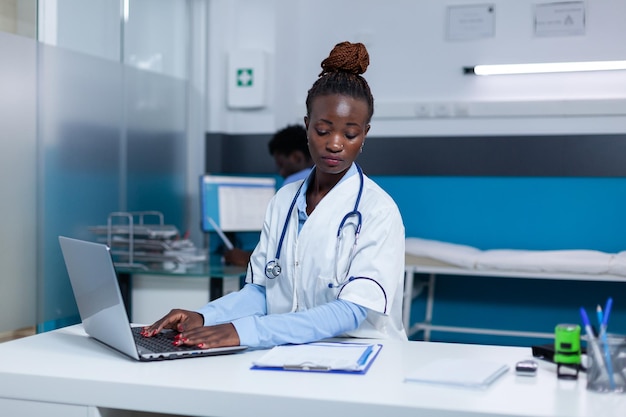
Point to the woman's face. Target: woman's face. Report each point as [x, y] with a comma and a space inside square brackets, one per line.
[336, 127]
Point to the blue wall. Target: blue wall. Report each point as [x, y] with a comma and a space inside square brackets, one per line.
[536, 213]
[539, 213]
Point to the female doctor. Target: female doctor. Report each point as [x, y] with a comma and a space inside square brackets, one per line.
[330, 260]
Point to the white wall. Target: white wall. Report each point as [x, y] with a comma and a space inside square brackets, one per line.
[412, 63]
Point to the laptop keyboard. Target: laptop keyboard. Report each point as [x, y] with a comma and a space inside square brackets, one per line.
[162, 342]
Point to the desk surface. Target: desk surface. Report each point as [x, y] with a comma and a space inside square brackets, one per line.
[65, 366]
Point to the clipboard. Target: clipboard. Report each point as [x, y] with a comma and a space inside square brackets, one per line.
[332, 357]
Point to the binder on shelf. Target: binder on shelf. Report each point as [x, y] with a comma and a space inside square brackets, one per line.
[338, 357]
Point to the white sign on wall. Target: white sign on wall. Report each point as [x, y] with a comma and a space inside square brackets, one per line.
[470, 22]
[246, 79]
[560, 19]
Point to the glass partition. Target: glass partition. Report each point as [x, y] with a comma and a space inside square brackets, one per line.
[112, 138]
[93, 120]
[82, 135]
[80, 131]
[18, 173]
[155, 144]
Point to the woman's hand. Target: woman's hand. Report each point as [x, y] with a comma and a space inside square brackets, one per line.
[206, 337]
[177, 319]
[192, 331]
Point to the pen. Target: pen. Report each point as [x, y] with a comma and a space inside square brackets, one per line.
[221, 234]
[363, 359]
[600, 319]
[603, 319]
[591, 340]
[607, 311]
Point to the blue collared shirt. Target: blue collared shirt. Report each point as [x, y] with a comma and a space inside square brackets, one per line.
[301, 201]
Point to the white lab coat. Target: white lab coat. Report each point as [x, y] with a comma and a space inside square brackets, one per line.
[308, 261]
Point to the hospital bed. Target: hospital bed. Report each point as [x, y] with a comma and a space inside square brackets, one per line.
[433, 258]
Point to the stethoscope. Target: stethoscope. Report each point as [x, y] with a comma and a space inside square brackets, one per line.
[273, 269]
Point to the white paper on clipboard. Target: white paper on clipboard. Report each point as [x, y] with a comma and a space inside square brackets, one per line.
[321, 357]
[467, 373]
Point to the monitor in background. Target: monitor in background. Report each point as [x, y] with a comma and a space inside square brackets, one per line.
[235, 204]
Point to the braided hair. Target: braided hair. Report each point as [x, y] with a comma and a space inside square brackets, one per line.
[341, 74]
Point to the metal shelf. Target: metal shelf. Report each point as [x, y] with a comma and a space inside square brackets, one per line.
[136, 242]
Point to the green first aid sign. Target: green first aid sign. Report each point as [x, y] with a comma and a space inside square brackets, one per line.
[245, 77]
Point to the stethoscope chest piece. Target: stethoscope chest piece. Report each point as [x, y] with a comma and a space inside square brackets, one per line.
[272, 269]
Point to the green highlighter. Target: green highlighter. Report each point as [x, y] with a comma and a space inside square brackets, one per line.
[567, 350]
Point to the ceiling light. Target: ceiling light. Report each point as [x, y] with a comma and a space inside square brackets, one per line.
[507, 69]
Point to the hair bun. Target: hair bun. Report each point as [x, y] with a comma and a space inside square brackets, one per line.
[347, 57]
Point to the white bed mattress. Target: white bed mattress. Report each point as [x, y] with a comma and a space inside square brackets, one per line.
[576, 261]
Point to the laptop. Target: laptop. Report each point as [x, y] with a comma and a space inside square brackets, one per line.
[102, 312]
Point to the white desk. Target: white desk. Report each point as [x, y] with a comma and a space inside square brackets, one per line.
[432, 268]
[64, 373]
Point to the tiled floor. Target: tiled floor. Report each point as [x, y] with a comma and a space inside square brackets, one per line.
[16, 334]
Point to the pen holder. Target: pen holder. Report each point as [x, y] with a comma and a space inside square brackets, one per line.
[606, 369]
